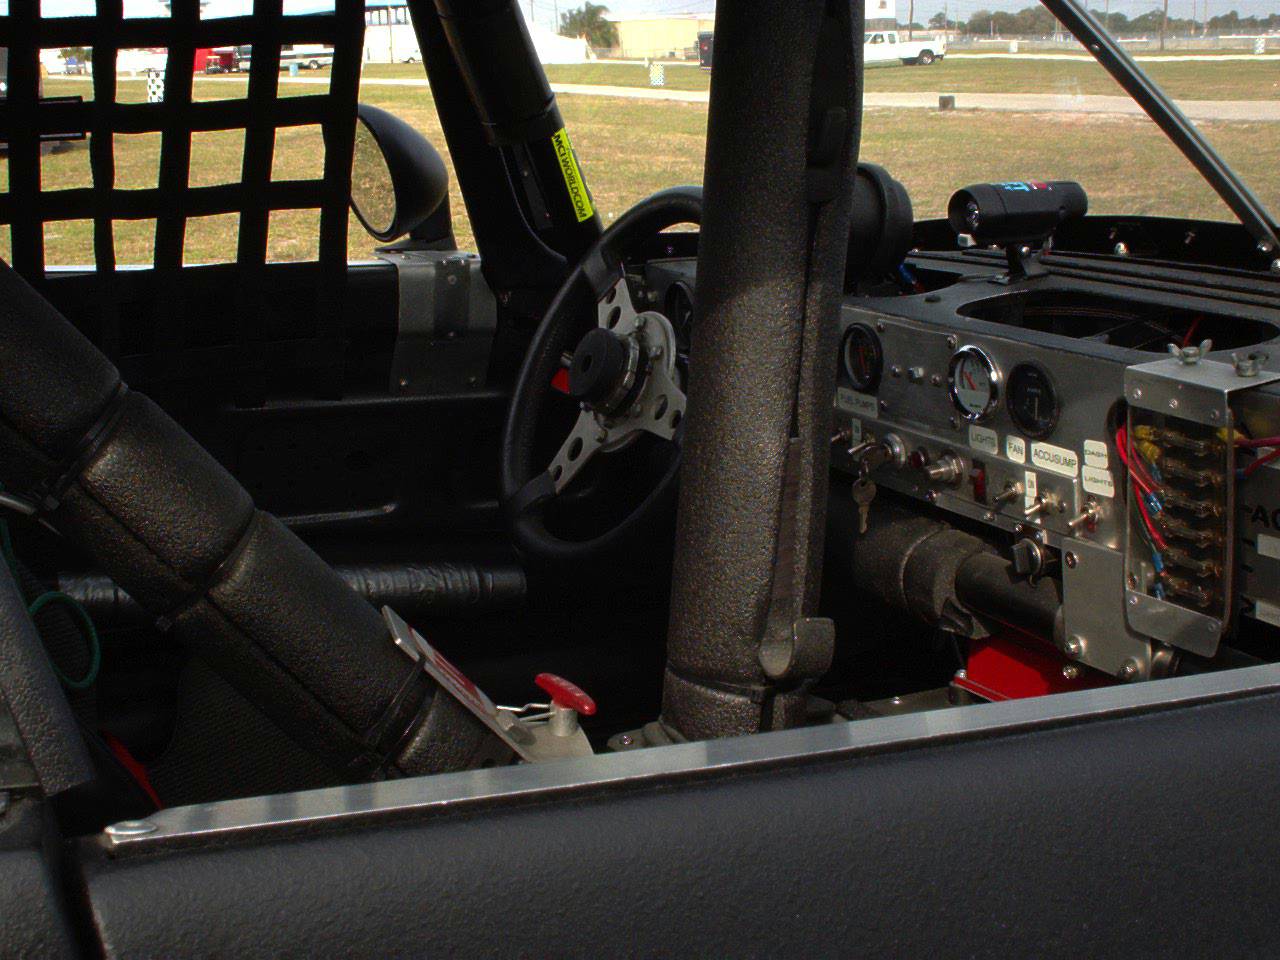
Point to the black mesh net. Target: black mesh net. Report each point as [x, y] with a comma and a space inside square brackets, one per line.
[151, 314]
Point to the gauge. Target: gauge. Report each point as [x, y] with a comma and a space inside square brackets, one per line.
[975, 383]
[863, 358]
[679, 310]
[1032, 401]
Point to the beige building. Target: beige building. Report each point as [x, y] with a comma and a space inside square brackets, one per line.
[672, 37]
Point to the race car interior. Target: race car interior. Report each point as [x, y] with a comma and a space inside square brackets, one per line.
[289, 526]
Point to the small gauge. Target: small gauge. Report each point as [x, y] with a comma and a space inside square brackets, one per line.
[863, 358]
[1032, 401]
[974, 382]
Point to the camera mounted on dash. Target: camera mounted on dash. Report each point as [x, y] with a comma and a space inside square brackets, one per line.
[1019, 215]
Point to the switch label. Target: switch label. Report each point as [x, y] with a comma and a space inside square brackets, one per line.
[984, 440]
[1057, 460]
[851, 401]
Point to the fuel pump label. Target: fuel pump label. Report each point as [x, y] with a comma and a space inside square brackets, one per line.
[851, 401]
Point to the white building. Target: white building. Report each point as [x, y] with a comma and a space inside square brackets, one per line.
[389, 38]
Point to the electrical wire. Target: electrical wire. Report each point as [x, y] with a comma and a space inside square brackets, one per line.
[1144, 483]
[77, 611]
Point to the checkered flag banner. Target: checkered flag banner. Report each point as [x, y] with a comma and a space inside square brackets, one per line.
[155, 86]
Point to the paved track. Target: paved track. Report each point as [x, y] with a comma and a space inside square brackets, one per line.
[1251, 111]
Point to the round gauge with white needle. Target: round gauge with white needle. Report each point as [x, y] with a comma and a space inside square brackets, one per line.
[974, 381]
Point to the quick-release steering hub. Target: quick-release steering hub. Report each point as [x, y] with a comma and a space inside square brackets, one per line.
[624, 375]
[604, 370]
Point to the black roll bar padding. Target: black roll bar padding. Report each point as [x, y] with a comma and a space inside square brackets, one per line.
[155, 511]
[514, 256]
[503, 78]
[29, 692]
[413, 589]
[786, 86]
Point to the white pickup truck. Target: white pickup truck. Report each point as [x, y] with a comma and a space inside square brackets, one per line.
[889, 46]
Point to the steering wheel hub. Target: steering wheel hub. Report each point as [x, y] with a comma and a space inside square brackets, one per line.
[624, 376]
[604, 370]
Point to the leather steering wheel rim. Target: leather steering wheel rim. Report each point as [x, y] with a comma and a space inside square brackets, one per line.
[525, 487]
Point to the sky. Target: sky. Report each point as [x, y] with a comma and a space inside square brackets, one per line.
[544, 11]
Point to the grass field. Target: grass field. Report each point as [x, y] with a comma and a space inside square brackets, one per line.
[1189, 80]
[630, 148]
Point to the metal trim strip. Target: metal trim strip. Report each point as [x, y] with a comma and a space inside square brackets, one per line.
[254, 818]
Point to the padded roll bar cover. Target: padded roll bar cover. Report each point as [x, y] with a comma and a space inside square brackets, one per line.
[287, 602]
[770, 275]
[182, 537]
[63, 382]
[159, 505]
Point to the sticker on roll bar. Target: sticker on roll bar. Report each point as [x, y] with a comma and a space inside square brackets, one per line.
[459, 686]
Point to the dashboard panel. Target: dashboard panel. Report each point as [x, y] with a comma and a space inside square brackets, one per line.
[1005, 406]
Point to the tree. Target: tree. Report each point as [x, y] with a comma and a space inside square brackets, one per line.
[588, 21]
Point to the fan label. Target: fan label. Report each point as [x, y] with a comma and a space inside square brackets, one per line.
[578, 196]
[1057, 460]
[1015, 448]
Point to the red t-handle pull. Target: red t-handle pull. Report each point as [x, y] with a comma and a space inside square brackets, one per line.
[566, 694]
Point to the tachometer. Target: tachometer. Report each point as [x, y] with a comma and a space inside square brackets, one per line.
[974, 381]
[863, 357]
[1032, 401]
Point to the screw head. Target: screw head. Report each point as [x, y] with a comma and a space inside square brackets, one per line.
[1070, 560]
[932, 496]
[1133, 601]
[1070, 671]
[1121, 249]
[1275, 266]
[952, 341]
[880, 325]
[1173, 403]
[1073, 647]
[1137, 393]
[1128, 670]
[936, 380]
[626, 740]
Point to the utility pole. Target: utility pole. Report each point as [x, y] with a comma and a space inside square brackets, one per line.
[911, 17]
[1164, 23]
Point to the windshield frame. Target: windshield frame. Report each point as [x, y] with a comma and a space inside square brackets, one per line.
[1157, 105]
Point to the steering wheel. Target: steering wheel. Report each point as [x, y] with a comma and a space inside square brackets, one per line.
[623, 375]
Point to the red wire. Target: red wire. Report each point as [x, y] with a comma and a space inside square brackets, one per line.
[1191, 332]
[1261, 442]
[1264, 459]
[1141, 480]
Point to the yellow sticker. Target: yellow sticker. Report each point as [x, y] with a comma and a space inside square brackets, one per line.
[578, 196]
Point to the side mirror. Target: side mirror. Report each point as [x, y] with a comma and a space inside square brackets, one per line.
[399, 183]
